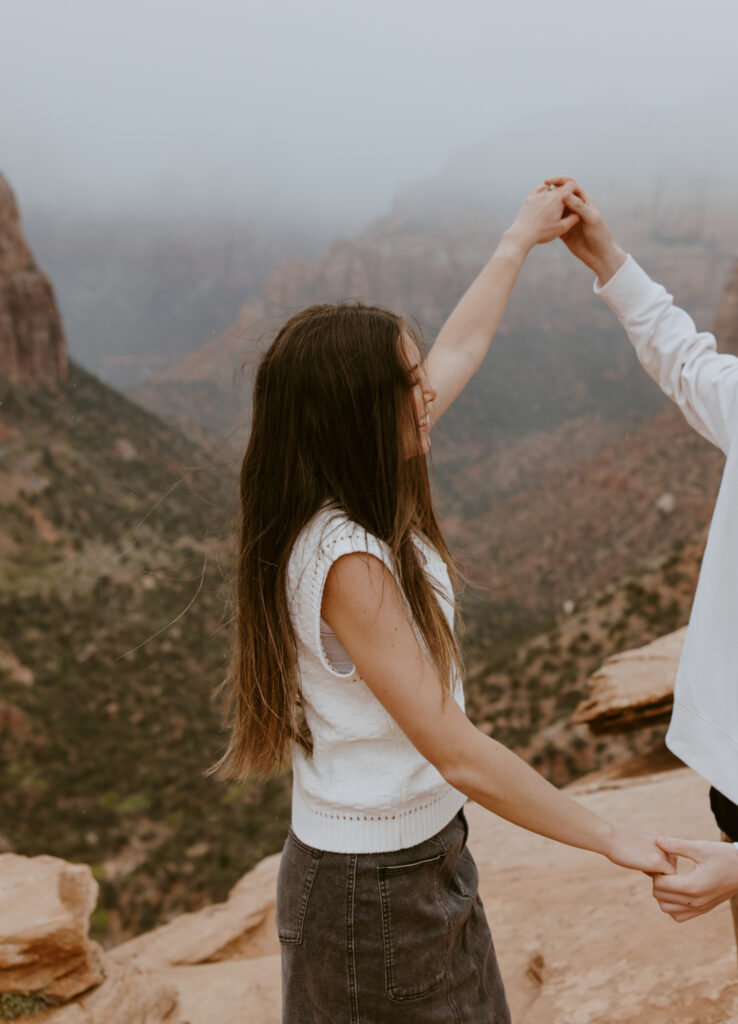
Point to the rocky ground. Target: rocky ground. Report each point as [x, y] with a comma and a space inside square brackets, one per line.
[578, 939]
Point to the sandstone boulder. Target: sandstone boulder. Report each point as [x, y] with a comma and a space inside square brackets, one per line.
[241, 927]
[229, 992]
[634, 688]
[127, 996]
[45, 906]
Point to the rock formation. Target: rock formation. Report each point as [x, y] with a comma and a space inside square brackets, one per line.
[634, 688]
[241, 926]
[126, 996]
[32, 346]
[45, 904]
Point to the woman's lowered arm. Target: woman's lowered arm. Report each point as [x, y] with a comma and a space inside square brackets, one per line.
[363, 605]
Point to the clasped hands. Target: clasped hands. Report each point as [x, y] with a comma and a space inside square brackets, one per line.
[713, 878]
[560, 208]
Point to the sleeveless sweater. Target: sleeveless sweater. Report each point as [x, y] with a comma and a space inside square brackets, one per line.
[365, 788]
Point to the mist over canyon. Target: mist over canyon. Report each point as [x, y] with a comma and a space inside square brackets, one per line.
[141, 284]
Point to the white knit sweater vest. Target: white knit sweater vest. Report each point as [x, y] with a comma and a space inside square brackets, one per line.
[365, 788]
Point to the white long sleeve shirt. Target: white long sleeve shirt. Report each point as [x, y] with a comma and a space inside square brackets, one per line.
[704, 384]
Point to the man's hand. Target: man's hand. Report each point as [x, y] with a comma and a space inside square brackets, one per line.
[590, 239]
[713, 879]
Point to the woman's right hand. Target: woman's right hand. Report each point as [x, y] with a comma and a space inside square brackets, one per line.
[640, 852]
[542, 217]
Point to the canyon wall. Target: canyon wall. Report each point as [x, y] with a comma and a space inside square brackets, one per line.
[33, 350]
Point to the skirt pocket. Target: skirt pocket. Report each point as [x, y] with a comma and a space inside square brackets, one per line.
[298, 866]
[466, 875]
[415, 927]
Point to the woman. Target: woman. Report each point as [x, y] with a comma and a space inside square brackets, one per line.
[345, 657]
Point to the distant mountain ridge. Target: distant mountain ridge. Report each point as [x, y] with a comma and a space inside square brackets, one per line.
[139, 290]
[419, 258]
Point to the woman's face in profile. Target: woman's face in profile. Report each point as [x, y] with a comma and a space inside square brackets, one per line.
[421, 397]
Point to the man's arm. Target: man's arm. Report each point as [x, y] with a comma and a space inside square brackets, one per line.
[683, 361]
[713, 879]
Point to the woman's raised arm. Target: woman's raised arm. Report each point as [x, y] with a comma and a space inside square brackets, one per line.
[465, 337]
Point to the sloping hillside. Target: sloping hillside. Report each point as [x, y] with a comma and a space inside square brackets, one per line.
[113, 604]
[114, 565]
[523, 689]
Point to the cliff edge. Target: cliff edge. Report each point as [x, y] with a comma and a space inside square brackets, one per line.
[579, 940]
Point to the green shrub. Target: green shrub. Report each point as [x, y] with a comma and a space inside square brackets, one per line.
[24, 1004]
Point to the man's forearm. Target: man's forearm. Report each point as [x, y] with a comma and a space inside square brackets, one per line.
[606, 263]
[682, 360]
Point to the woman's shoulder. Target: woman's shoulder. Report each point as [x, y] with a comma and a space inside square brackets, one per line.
[329, 534]
[325, 527]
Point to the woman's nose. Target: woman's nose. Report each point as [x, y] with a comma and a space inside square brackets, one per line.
[429, 393]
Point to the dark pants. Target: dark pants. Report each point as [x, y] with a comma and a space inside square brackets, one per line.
[384, 938]
[726, 814]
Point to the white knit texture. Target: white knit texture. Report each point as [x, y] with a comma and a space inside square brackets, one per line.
[365, 788]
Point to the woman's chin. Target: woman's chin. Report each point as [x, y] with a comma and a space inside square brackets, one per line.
[420, 447]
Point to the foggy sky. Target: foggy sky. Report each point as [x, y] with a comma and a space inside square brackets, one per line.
[323, 108]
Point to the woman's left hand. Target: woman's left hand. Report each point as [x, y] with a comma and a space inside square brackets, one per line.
[639, 852]
[543, 216]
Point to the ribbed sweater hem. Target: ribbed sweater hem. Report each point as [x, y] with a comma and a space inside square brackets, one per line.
[706, 748]
[367, 831]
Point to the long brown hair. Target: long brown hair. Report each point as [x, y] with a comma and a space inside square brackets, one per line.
[332, 401]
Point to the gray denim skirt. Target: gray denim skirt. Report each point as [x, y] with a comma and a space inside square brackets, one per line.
[379, 938]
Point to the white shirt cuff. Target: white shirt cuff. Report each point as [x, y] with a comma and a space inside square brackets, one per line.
[626, 289]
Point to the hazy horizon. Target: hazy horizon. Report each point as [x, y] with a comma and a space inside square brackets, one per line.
[321, 114]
